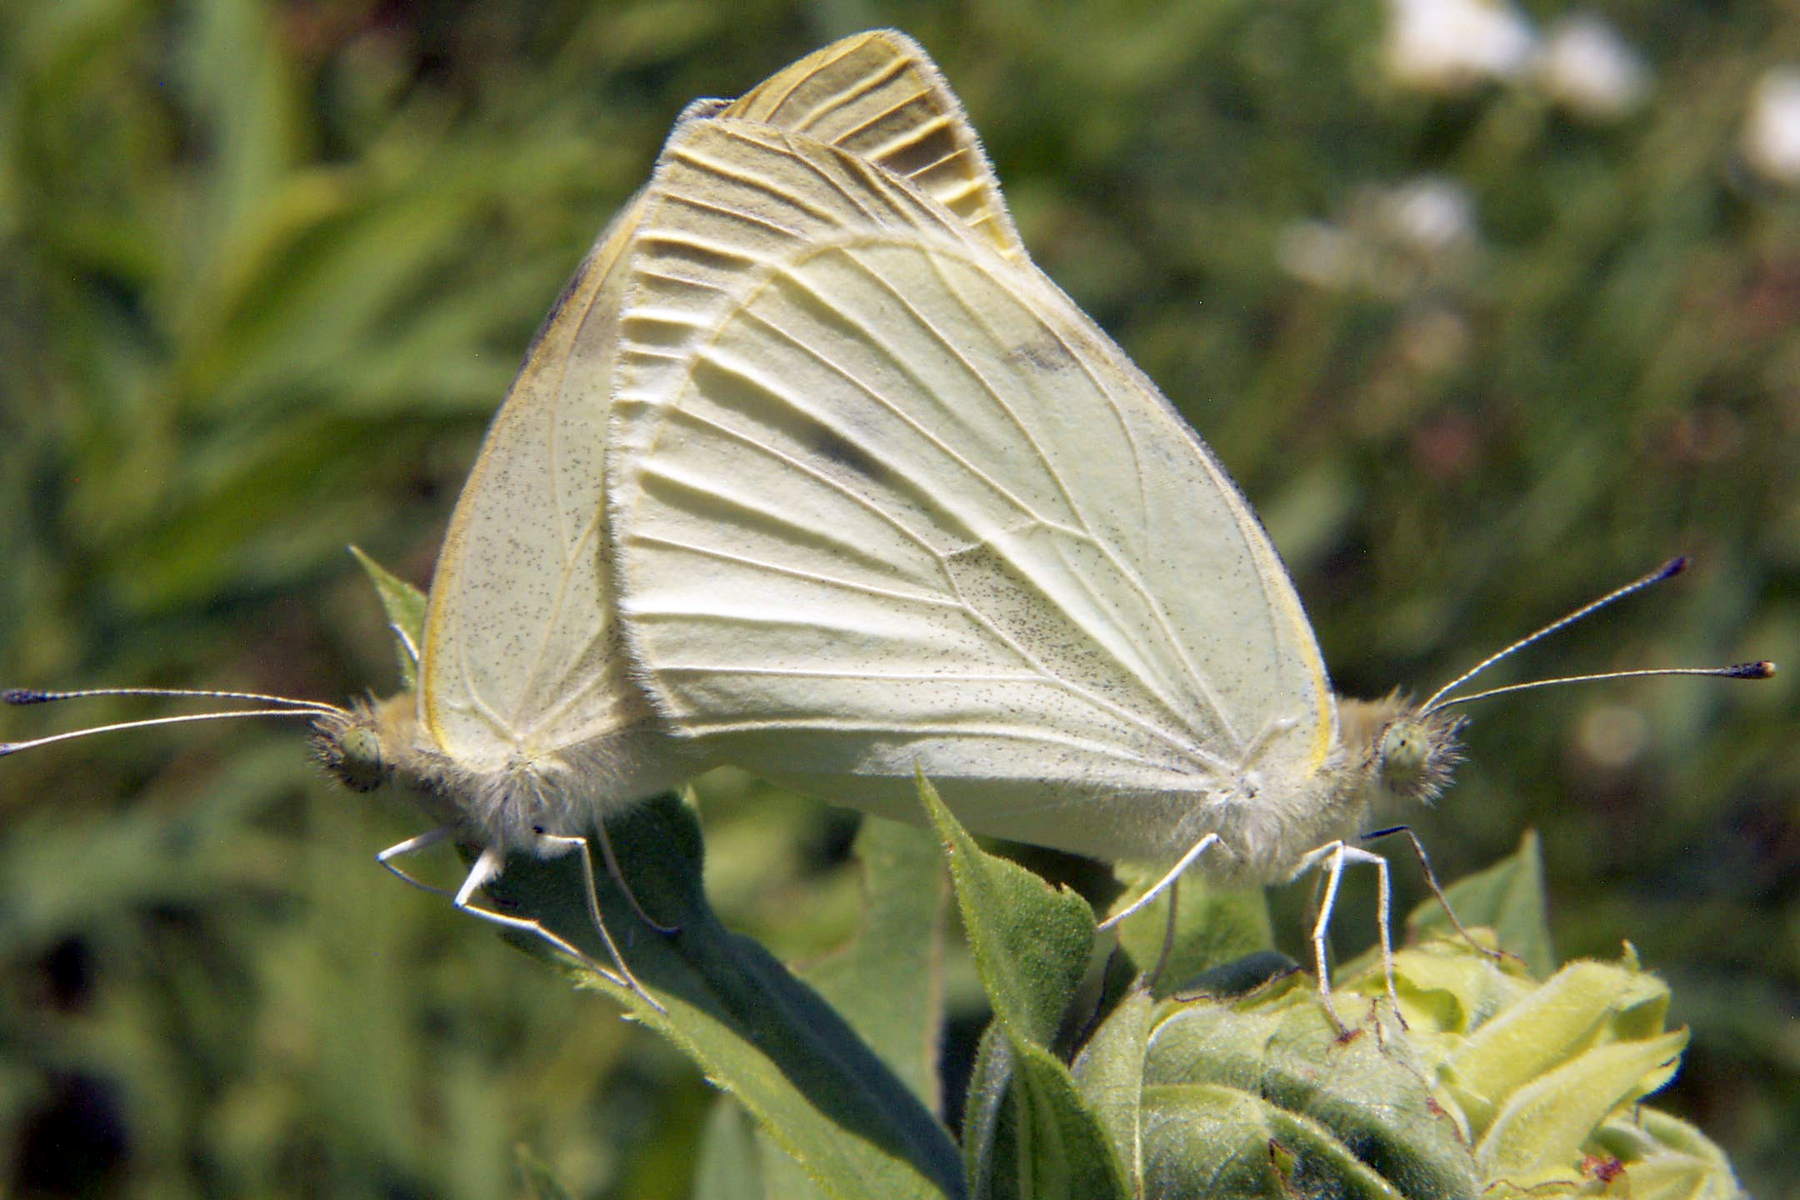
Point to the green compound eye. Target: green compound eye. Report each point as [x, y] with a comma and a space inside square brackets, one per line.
[1416, 755]
[1404, 751]
[352, 753]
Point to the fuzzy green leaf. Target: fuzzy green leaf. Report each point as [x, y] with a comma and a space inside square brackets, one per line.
[988, 1134]
[1667, 1159]
[1586, 1004]
[1026, 1132]
[1110, 1074]
[1226, 1144]
[1508, 898]
[759, 1033]
[1030, 940]
[1369, 1091]
[1544, 1124]
[1213, 926]
[888, 982]
[1033, 1136]
[404, 605]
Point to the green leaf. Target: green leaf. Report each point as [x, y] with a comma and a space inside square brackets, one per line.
[1031, 941]
[1032, 1136]
[987, 1129]
[738, 1160]
[1226, 1144]
[1026, 1133]
[1668, 1159]
[404, 605]
[1545, 1124]
[1110, 1074]
[1213, 926]
[1063, 1150]
[729, 1163]
[759, 1033]
[1369, 1093]
[888, 983]
[1585, 1004]
[1508, 898]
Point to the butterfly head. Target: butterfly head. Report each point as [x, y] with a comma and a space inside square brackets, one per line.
[1400, 751]
[362, 745]
[1416, 753]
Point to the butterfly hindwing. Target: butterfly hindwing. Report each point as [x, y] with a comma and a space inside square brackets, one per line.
[889, 500]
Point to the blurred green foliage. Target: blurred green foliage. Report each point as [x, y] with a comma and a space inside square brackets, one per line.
[266, 269]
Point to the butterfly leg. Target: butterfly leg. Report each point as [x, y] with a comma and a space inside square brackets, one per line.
[554, 844]
[1168, 941]
[618, 877]
[487, 868]
[1334, 857]
[1431, 881]
[413, 845]
[1167, 881]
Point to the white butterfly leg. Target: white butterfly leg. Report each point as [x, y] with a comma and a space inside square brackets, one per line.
[413, 845]
[1175, 872]
[1431, 881]
[1335, 856]
[618, 877]
[561, 844]
[486, 869]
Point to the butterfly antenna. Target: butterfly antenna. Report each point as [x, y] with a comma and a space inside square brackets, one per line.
[1675, 566]
[281, 706]
[1749, 670]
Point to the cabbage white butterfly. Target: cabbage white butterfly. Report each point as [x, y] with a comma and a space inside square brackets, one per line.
[526, 726]
[885, 501]
[882, 499]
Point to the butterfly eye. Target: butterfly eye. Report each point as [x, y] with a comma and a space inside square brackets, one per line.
[1403, 751]
[1404, 758]
[1415, 755]
[352, 753]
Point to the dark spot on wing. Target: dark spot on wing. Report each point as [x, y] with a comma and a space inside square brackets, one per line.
[1043, 354]
[839, 450]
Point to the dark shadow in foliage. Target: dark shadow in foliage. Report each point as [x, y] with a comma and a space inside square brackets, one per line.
[730, 1003]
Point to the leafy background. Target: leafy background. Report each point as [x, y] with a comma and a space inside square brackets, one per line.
[268, 267]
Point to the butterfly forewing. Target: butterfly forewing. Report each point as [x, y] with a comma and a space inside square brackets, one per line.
[521, 651]
[877, 96]
[522, 655]
[889, 500]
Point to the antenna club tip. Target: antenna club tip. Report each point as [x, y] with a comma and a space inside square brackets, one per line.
[1752, 670]
[24, 696]
[1673, 567]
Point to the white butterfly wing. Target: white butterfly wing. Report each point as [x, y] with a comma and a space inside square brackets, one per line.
[522, 655]
[877, 96]
[887, 500]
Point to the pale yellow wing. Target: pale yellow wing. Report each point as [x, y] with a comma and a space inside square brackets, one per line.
[876, 95]
[521, 658]
[887, 500]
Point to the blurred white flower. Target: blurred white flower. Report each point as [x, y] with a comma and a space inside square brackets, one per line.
[1428, 215]
[1392, 241]
[1612, 737]
[1318, 253]
[1585, 65]
[1451, 45]
[1772, 132]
